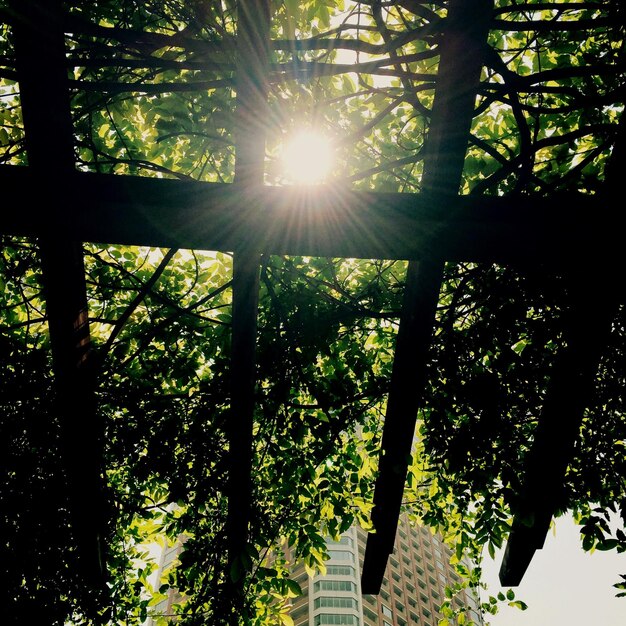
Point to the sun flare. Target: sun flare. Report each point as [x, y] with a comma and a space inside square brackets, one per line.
[307, 158]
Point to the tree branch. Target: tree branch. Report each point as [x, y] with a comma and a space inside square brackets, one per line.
[137, 300]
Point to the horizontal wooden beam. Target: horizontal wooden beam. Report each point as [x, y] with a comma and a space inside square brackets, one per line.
[320, 221]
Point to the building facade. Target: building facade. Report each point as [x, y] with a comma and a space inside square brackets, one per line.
[412, 591]
[413, 587]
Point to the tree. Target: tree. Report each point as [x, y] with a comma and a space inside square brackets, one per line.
[152, 87]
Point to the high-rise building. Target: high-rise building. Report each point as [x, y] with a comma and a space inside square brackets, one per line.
[413, 587]
[412, 591]
[169, 556]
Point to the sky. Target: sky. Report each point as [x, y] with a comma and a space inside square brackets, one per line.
[563, 585]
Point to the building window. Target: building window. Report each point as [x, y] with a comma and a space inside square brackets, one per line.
[370, 614]
[301, 577]
[335, 603]
[343, 541]
[399, 607]
[341, 555]
[334, 585]
[414, 618]
[386, 611]
[299, 612]
[331, 618]
[339, 570]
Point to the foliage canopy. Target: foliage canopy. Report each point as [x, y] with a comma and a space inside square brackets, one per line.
[153, 94]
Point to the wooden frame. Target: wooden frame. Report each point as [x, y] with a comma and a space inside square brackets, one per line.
[576, 232]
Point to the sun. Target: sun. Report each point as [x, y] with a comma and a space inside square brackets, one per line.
[307, 158]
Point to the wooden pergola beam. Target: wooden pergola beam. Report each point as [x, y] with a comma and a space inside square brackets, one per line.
[427, 229]
[593, 306]
[594, 299]
[253, 46]
[464, 37]
[421, 294]
[326, 221]
[40, 64]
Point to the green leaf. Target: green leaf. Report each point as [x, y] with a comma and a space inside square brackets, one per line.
[607, 544]
[294, 588]
[285, 619]
[518, 604]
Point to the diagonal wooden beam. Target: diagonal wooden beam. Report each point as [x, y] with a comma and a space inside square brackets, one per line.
[593, 305]
[462, 51]
[40, 62]
[421, 294]
[594, 300]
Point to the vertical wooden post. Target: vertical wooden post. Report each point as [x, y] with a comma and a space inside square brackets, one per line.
[253, 24]
[40, 54]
